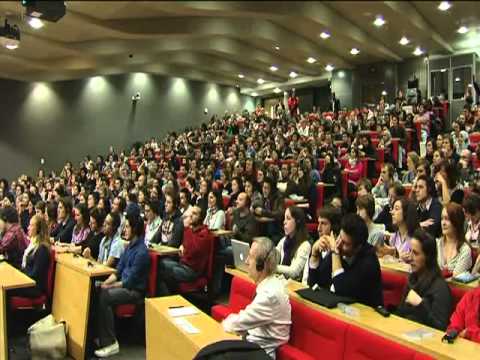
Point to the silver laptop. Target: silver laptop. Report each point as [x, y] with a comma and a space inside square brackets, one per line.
[240, 251]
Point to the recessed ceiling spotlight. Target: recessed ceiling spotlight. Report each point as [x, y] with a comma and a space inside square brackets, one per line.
[35, 23]
[325, 35]
[329, 67]
[418, 51]
[457, 79]
[384, 92]
[293, 74]
[443, 70]
[379, 21]
[260, 81]
[404, 41]
[311, 60]
[277, 90]
[444, 6]
[341, 74]
[273, 68]
[11, 46]
[254, 94]
[277, 48]
[462, 30]
[241, 76]
[354, 51]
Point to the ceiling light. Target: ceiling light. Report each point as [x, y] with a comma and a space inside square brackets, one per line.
[273, 68]
[35, 23]
[404, 41]
[462, 30]
[254, 94]
[457, 79]
[260, 81]
[277, 48]
[325, 35]
[277, 90]
[329, 67]
[293, 74]
[311, 60]
[341, 74]
[384, 92]
[443, 70]
[379, 21]
[11, 46]
[418, 51]
[241, 76]
[354, 51]
[444, 6]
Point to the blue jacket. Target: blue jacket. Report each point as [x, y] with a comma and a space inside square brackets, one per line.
[134, 266]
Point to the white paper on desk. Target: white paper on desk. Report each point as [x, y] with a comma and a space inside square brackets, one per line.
[186, 325]
[418, 334]
[182, 311]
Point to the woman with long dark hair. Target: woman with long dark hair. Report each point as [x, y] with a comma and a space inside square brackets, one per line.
[294, 247]
[427, 298]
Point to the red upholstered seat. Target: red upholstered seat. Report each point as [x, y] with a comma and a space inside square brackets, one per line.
[19, 302]
[312, 228]
[363, 345]
[226, 200]
[311, 331]
[457, 294]
[289, 352]
[288, 202]
[129, 310]
[242, 293]
[203, 281]
[320, 196]
[393, 285]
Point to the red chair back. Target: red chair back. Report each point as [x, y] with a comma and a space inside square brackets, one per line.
[51, 274]
[226, 200]
[152, 276]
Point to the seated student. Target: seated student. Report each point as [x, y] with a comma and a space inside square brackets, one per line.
[347, 265]
[111, 247]
[429, 208]
[127, 285]
[170, 231]
[384, 182]
[427, 298]
[193, 257]
[465, 319]
[471, 206]
[184, 205]
[63, 232]
[51, 214]
[14, 241]
[97, 218]
[404, 218]
[81, 228]
[271, 207]
[267, 319]
[294, 248]
[36, 259]
[366, 210]
[244, 225]
[152, 215]
[454, 253]
[215, 218]
[384, 216]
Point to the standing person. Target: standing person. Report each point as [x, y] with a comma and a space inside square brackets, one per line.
[347, 265]
[293, 104]
[127, 285]
[267, 319]
[14, 241]
[427, 298]
[294, 248]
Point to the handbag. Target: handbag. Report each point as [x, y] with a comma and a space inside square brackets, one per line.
[48, 339]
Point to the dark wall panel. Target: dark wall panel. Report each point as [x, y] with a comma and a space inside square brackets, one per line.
[407, 69]
[68, 119]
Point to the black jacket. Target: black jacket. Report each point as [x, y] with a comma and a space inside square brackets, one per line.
[435, 213]
[63, 232]
[175, 230]
[435, 308]
[36, 267]
[361, 280]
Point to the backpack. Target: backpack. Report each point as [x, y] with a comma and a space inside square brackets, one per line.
[232, 350]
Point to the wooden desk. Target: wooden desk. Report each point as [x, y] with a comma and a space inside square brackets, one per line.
[163, 250]
[10, 278]
[165, 340]
[71, 297]
[391, 328]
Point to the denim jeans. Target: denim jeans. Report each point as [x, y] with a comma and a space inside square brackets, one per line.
[170, 273]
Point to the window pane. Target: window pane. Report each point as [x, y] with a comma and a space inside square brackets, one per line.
[461, 78]
[439, 82]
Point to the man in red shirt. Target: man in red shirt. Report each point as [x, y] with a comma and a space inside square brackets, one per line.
[194, 253]
[293, 102]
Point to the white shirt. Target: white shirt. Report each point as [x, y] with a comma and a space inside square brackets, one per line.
[151, 229]
[267, 318]
[300, 258]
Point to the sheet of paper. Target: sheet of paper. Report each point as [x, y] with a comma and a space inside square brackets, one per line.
[418, 334]
[182, 311]
[186, 326]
